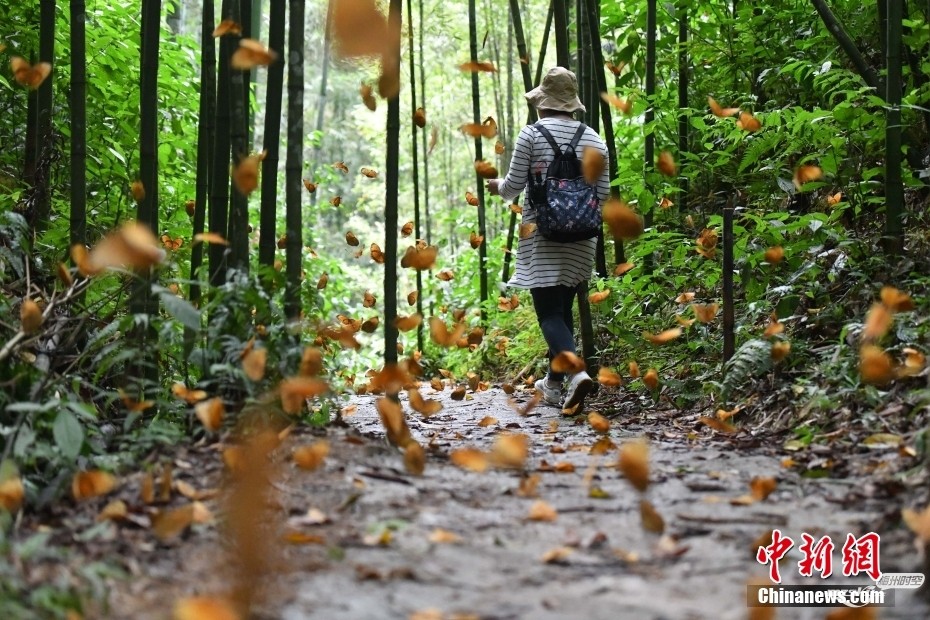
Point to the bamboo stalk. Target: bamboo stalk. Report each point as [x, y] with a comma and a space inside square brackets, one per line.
[272, 134]
[391, 184]
[78, 98]
[205, 138]
[476, 115]
[683, 128]
[295, 158]
[238, 234]
[414, 150]
[219, 171]
[894, 188]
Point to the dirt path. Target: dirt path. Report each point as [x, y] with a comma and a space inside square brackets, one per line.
[609, 567]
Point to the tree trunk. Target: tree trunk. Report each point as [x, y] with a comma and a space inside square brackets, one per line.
[143, 301]
[390, 195]
[606, 118]
[894, 188]
[44, 114]
[219, 183]
[527, 86]
[320, 110]
[560, 14]
[78, 123]
[272, 135]
[238, 236]
[416, 165]
[205, 137]
[476, 118]
[648, 121]
[295, 157]
[683, 127]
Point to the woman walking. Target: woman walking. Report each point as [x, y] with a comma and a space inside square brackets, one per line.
[552, 270]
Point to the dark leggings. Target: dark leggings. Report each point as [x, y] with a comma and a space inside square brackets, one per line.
[553, 306]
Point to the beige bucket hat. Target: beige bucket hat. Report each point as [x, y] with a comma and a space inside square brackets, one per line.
[558, 91]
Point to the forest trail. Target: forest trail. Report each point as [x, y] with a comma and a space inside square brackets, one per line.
[603, 564]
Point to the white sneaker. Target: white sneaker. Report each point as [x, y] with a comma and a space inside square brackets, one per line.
[551, 395]
[578, 388]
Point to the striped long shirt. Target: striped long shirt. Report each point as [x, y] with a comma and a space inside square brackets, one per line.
[541, 262]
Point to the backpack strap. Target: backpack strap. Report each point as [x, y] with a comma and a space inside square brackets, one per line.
[555, 147]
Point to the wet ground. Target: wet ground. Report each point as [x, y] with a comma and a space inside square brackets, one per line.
[380, 543]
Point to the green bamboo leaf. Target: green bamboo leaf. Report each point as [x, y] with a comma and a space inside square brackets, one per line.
[68, 433]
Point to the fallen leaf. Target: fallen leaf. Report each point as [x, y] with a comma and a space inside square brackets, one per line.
[296, 390]
[895, 300]
[542, 511]
[423, 406]
[918, 522]
[311, 456]
[609, 378]
[748, 122]
[598, 422]
[227, 26]
[623, 222]
[470, 458]
[650, 518]
[419, 118]
[251, 54]
[476, 67]
[663, 337]
[168, 524]
[30, 316]
[761, 487]
[624, 105]
[633, 463]
[30, 76]
[666, 164]
[719, 111]
[705, 313]
[205, 608]
[414, 458]
[567, 362]
[805, 174]
[592, 165]
[875, 365]
[90, 484]
[510, 450]
[622, 268]
[556, 555]
[210, 413]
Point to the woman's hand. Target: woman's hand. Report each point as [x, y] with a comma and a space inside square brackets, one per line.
[493, 186]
